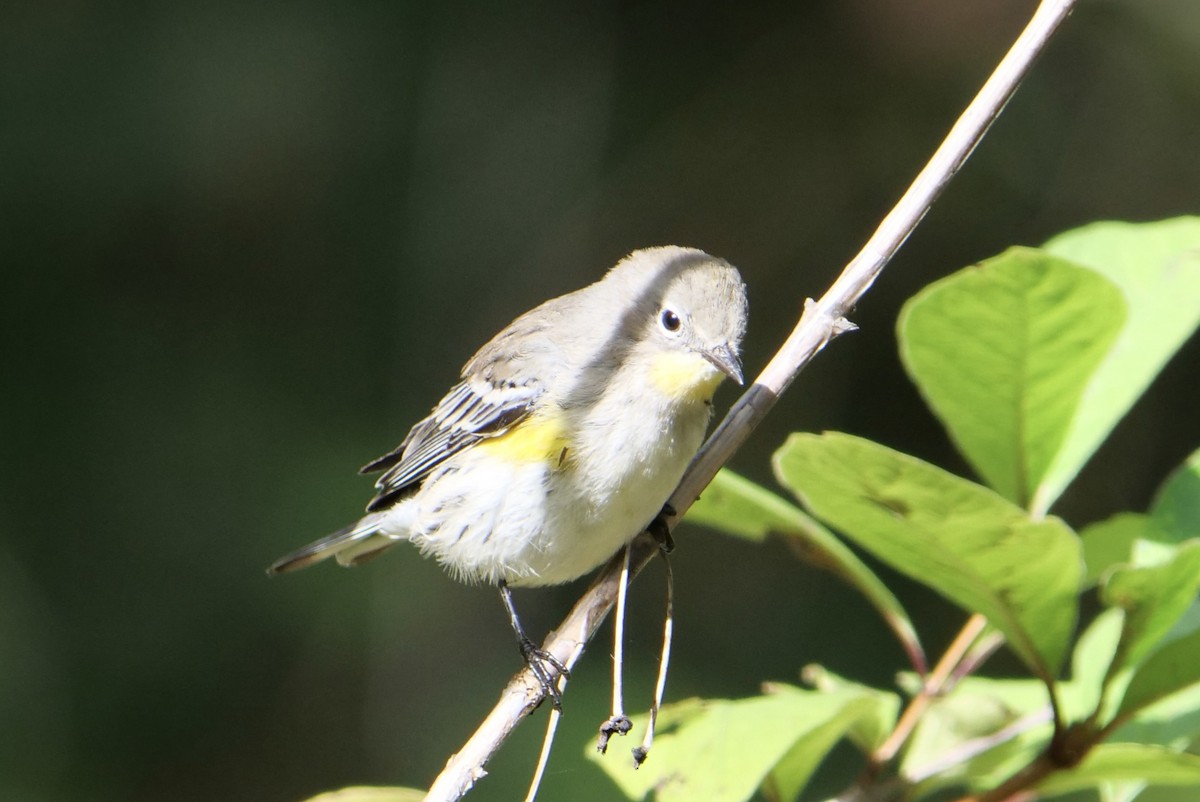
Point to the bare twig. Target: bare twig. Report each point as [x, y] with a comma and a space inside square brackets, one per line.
[930, 690]
[821, 322]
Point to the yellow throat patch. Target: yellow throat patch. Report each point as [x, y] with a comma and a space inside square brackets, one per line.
[686, 376]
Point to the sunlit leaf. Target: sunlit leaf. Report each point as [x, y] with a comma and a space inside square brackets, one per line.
[868, 732]
[1119, 762]
[1172, 668]
[1154, 597]
[1011, 716]
[1177, 505]
[1093, 655]
[1003, 351]
[1116, 541]
[737, 506]
[1173, 720]
[961, 539]
[723, 750]
[1157, 267]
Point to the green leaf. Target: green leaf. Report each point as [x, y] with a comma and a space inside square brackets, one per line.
[960, 539]
[977, 710]
[1157, 267]
[1120, 791]
[1093, 655]
[737, 506]
[869, 732]
[1154, 598]
[723, 750]
[1118, 541]
[1172, 721]
[986, 730]
[790, 775]
[1171, 669]
[1125, 762]
[367, 793]
[1003, 352]
[1177, 504]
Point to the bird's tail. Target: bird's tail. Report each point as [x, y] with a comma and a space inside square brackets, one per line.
[352, 545]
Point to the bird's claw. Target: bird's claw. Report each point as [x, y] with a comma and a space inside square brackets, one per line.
[617, 725]
[546, 669]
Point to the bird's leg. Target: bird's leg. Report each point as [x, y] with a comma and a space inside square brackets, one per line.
[661, 530]
[618, 723]
[546, 668]
[640, 752]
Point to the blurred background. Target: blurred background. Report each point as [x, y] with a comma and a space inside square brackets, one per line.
[247, 244]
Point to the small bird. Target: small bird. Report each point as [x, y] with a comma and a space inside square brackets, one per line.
[565, 435]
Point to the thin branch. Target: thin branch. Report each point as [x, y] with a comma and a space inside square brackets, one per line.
[821, 322]
[930, 690]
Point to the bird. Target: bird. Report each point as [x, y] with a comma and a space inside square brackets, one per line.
[564, 436]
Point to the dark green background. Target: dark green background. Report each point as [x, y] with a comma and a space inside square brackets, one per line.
[246, 244]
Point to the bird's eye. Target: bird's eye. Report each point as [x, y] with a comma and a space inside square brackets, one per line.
[669, 320]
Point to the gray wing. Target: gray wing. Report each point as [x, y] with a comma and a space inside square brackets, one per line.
[501, 384]
[470, 412]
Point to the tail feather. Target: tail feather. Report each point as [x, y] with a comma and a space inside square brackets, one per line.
[351, 545]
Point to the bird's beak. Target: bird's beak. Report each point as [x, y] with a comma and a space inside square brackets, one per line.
[725, 360]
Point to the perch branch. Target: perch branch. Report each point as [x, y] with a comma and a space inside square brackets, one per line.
[821, 321]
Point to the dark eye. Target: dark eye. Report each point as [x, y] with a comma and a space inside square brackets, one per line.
[669, 320]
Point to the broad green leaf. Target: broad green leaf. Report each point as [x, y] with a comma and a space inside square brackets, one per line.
[1003, 351]
[1121, 791]
[1172, 721]
[1134, 538]
[1157, 267]
[723, 750]
[985, 730]
[369, 793]
[1117, 541]
[790, 775]
[1153, 765]
[1093, 655]
[963, 540]
[1171, 669]
[737, 506]
[869, 732]
[1154, 598]
[976, 711]
[1177, 505]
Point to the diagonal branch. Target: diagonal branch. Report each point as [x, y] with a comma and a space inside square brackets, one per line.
[821, 322]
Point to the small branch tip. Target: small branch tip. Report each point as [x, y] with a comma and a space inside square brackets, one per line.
[843, 325]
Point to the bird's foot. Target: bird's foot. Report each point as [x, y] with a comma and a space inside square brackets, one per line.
[546, 669]
[617, 725]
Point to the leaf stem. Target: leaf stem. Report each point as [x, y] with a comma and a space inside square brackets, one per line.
[932, 688]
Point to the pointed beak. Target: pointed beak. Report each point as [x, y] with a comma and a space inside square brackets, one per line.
[725, 360]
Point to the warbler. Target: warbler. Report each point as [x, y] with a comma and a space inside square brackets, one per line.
[565, 435]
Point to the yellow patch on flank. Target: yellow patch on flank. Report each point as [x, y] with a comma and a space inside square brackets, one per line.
[539, 438]
[687, 376]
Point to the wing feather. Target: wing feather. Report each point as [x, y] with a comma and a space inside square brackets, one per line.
[500, 385]
[470, 412]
